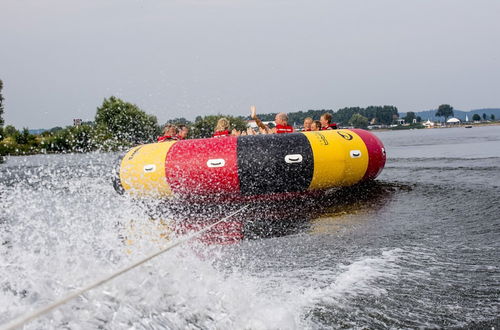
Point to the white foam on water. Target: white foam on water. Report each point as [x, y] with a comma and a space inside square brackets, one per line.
[335, 286]
[359, 277]
[56, 231]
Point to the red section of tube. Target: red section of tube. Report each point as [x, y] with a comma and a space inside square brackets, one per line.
[376, 154]
[203, 167]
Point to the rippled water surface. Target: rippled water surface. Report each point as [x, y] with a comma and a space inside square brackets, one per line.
[419, 248]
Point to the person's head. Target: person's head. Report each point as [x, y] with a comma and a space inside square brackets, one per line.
[183, 131]
[316, 125]
[222, 125]
[307, 123]
[281, 119]
[325, 119]
[170, 130]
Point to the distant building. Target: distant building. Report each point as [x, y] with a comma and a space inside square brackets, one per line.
[453, 121]
[77, 122]
[428, 124]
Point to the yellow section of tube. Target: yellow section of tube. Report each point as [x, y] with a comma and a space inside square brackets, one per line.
[340, 158]
[142, 170]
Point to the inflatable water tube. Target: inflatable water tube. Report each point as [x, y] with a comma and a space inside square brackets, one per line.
[248, 167]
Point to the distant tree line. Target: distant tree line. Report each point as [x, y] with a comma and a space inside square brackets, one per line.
[477, 117]
[118, 125]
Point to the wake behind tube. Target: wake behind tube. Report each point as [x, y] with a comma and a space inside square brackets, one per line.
[251, 166]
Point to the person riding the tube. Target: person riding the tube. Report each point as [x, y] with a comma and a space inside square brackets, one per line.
[326, 122]
[222, 128]
[316, 125]
[281, 121]
[169, 133]
[307, 124]
[183, 132]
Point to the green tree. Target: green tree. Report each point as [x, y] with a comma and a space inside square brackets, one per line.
[126, 121]
[24, 137]
[484, 116]
[61, 141]
[71, 139]
[55, 129]
[384, 115]
[358, 121]
[204, 126]
[83, 138]
[179, 121]
[409, 117]
[1, 105]
[10, 130]
[492, 117]
[342, 116]
[379, 114]
[444, 110]
[476, 117]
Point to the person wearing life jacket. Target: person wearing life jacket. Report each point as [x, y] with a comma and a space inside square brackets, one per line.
[282, 126]
[326, 122]
[307, 124]
[183, 132]
[222, 128]
[316, 125]
[281, 121]
[169, 133]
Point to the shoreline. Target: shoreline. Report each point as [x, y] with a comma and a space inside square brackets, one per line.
[436, 127]
[406, 128]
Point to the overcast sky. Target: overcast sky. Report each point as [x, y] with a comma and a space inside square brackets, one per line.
[181, 58]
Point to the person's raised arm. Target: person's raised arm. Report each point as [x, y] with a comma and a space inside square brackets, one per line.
[259, 122]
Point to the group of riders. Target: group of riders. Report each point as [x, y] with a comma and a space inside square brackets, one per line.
[172, 132]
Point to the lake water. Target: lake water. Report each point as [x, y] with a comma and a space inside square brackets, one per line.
[419, 248]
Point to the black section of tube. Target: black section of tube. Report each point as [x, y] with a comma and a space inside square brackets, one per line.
[266, 163]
